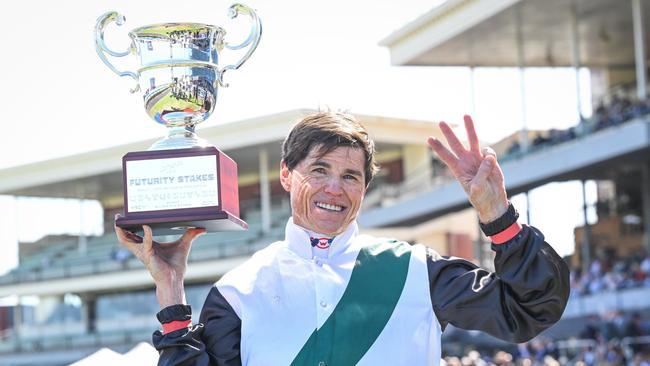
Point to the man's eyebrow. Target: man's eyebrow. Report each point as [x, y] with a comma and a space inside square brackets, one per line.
[328, 165]
[321, 163]
[353, 172]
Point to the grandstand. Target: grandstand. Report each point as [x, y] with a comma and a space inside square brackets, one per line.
[607, 320]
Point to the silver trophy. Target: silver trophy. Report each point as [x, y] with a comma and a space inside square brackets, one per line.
[179, 73]
[181, 181]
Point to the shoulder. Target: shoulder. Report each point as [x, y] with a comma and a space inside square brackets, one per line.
[247, 271]
[388, 246]
[241, 280]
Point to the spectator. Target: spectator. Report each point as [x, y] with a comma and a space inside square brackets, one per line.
[635, 329]
[120, 254]
[645, 266]
[591, 329]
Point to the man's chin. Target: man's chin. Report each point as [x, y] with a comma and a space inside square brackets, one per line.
[332, 231]
[325, 228]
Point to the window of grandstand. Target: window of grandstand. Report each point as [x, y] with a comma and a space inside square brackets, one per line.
[39, 217]
[51, 315]
[136, 308]
[30, 219]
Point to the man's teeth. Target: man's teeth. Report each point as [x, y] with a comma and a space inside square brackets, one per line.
[327, 206]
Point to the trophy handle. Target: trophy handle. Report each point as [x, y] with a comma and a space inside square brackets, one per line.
[253, 38]
[100, 45]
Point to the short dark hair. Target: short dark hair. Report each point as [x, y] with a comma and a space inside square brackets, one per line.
[329, 130]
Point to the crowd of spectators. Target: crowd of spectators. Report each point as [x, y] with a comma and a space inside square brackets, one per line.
[618, 111]
[615, 326]
[545, 352]
[540, 351]
[614, 338]
[611, 275]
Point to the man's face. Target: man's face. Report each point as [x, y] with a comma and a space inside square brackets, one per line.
[326, 192]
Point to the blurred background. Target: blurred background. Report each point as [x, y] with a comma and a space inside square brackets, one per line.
[556, 87]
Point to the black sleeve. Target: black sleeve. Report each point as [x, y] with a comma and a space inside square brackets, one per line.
[525, 295]
[214, 341]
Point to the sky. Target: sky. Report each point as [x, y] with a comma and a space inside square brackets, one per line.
[59, 99]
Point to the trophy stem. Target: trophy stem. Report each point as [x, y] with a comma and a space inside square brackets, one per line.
[179, 137]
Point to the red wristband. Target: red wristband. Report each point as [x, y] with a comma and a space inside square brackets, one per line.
[507, 234]
[175, 325]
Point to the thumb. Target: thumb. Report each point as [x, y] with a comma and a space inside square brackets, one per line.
[191, 234]
[484, 170]
[148, 239]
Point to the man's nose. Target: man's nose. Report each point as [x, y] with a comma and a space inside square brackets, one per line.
[333, 186]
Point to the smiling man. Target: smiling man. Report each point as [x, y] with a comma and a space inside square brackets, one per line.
[327, 295]
[326, 169]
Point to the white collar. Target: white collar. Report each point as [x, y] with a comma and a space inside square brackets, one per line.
[298, 241]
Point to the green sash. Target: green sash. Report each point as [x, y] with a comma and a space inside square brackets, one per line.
[375, 286]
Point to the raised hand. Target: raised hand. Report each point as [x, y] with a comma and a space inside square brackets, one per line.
[477, 171]
[166, 262]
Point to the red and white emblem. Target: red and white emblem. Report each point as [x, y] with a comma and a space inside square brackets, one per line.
[323, 243]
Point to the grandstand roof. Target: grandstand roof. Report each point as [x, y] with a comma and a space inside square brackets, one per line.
[483, 33]
[97, 174]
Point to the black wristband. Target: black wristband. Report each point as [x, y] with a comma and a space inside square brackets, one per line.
[178, 312]
[508, 218]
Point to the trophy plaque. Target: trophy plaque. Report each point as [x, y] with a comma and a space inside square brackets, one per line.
[181, 181]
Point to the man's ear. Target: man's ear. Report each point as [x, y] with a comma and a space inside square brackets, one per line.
[285, 176]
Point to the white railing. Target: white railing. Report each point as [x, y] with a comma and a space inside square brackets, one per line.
[625, 300]
[58, 342]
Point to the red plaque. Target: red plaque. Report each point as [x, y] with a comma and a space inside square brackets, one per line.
[172, 190]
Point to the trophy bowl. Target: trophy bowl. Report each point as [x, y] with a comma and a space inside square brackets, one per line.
[181, 181]
[179, 72]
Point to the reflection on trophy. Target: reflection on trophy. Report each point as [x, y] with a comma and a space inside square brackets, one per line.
[181, 181]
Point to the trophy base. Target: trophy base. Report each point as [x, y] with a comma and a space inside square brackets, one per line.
[177, 224]
[173, 190]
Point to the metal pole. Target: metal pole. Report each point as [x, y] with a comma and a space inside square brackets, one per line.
[18, 320]
[472, 90]
[83, 240]
[575, 55]
[265, 191]
[645, 202]
[89, 314]
[585, 249]
[16, 238]
[523, 134]
[639, 49]
[528, 208]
